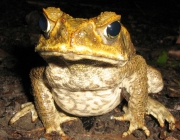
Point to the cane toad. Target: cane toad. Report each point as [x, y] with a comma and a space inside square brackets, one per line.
[89, 61]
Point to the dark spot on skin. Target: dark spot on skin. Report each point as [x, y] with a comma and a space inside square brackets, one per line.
[96, 103]
[48, 101]
[46, 96]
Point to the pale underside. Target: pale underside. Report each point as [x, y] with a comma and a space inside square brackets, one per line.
[84, 90]
[87, 103]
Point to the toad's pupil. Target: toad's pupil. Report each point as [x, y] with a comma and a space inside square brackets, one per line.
[43, 24]
[113, 29]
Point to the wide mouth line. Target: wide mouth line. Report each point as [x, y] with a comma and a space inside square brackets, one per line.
[75, 57]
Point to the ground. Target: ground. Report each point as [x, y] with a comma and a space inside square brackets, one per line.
[154, 27]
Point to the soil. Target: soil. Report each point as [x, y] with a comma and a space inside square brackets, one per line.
[154, 27]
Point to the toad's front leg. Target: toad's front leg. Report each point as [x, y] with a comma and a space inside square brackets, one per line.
[136, 85]
[44, 102]
[135, 112]
[51, 118]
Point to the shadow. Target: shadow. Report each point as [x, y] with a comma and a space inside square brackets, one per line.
[27, 59]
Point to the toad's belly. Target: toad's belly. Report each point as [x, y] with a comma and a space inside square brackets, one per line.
[87, 103]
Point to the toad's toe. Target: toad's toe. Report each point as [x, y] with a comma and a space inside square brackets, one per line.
[26, 108]
[159, 111]
[134, 124]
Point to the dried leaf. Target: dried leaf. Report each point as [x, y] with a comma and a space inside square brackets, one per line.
[178, 40]
[175, 53]
[177, 124]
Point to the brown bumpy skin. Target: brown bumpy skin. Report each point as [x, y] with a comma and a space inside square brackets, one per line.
[87, 68]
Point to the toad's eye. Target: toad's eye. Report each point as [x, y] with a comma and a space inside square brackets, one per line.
[44, 23]
[112, 30]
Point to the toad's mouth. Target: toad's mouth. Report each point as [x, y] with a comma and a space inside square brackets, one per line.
[76, 57]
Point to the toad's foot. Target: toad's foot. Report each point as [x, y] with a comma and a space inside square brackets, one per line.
[157, 110]
[135, 122]
[55, 124]
[26, 108]
[51, 125]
